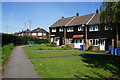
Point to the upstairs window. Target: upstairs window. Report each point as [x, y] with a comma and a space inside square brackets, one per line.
[44, 34]
[108, 28]
[70, 29]
[61, 29]
[53, 29]
[80, 28]
[39, 34]
[34, 34]
[94, 42]
[93, 28]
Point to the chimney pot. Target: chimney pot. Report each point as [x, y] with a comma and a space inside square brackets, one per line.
[62, 17]
[97, 11]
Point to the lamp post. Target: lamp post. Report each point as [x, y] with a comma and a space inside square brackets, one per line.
[30, 24]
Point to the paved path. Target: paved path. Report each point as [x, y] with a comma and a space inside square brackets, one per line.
[19, 66]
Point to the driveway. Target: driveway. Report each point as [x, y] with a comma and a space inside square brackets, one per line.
[19, 66]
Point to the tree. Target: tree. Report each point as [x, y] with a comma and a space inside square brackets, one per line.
[110, 17]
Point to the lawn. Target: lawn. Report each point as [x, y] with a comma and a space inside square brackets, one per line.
[33, 52]
[88, 66]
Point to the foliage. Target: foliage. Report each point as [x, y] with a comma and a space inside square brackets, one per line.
[110, 14]
[16, 40]
[6, 50]
[66, 47]
[90, 47]
[51, 45]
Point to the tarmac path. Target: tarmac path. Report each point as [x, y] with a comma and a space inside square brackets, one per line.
[19, 66]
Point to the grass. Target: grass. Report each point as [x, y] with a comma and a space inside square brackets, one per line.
[89, 67]
[71, 67]
[34, 52]
[5, 52]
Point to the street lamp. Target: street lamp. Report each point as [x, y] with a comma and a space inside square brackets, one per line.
[30, 24]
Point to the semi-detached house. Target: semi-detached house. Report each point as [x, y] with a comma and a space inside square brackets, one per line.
[82, 30]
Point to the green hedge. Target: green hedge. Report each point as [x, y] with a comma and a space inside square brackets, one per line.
[6, 50]
[16, 40]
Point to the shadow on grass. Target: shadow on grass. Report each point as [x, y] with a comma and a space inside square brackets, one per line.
[107, 62]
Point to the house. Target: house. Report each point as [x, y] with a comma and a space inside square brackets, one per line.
[38, 32]
[82, 30]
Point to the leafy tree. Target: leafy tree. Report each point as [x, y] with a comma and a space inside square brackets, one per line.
[110, 17]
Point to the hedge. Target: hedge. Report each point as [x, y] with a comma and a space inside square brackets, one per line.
[6, 50]
[17, 40]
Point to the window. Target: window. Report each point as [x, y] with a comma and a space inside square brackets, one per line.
[70, 40]
[93, 28]
[61, 29]
[108, 28]
[70, 29]
[44, 34]
[34, 34]
[53, 29]
[94, 42]
[39, 34]
[80, 28]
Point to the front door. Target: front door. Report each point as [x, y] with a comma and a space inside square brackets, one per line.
[77, 43]
[102, 44]
[58, 41]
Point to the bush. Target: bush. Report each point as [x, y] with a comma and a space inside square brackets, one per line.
[90, 47]
[6, 50]
[66, 47]
[17, 40]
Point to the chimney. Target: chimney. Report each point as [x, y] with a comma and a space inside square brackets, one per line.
[97, 11]
[77, 14]
[62, 17]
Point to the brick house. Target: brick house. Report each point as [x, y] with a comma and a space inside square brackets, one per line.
[38, 32]
[82, 30]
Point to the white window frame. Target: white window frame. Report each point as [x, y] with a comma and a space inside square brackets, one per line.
[106, 28]
[80, 28]
[93, 28]
[94, 44]
[61, 29]
[70, 29]
[39, 34]
[34, 34]
[53, 29]
[44, 34]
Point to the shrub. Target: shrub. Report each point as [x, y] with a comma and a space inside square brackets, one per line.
[17, 40]
[53, 44]
[66, 47]
[6, 50]
[90, 47]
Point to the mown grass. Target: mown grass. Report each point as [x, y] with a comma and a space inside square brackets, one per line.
[34, 52]
[90, 66]
[75, 67]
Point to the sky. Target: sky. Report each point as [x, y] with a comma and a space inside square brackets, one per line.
[42, 14]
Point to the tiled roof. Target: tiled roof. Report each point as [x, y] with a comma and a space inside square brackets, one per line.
[39, 30]
[95, 20]
[78, 20]
[61, 22]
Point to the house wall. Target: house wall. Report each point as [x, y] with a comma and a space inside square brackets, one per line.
[75, 32]
[57, 33]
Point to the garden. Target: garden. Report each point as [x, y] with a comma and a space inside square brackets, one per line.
[64, 62]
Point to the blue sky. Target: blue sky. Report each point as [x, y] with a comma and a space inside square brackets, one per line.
[42, 14]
